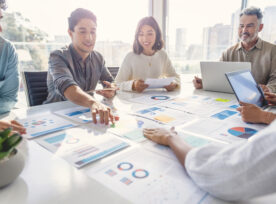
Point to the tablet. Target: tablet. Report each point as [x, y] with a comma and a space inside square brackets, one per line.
[246, 89]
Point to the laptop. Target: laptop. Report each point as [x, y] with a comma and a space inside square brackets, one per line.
[246, 89]
[213, 74]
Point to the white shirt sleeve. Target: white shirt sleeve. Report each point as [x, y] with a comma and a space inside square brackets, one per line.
[236, 172]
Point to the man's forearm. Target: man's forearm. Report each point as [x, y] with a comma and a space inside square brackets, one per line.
[78, 96]
[179, 147]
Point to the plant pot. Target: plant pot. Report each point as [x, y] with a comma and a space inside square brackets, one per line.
[11, 168]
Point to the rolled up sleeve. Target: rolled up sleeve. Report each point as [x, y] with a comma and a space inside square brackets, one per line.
[60, 73]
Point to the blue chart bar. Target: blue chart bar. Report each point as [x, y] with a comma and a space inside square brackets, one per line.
[224, 114]
[56, 139]
[78, 112]
[51, 130]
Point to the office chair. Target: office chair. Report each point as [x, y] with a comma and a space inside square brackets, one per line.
[113, 71]
[35, 86]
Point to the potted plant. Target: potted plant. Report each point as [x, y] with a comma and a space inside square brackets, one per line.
[11, 160]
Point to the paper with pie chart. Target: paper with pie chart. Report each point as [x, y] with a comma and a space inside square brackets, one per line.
[228, 131]
[155, 181]
[151, 99]
[37, 125]
[80, 146]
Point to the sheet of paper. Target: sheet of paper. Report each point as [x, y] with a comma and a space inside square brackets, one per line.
[158, 180]
[151, 99]
[131, 127]
[80, 146]
[77, 113]
[43, 124]
[229, 131]
[167, 152]
[158, 83]
[203, 106]
[164, 115]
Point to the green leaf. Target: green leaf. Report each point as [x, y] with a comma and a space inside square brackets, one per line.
[12, 141]
[4, 134]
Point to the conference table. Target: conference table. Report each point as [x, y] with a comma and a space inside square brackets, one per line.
[48, 178]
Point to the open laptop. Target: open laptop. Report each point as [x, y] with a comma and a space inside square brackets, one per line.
[213, 74]
[246, 89]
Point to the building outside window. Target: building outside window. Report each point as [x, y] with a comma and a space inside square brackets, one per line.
[269, 9]
[200, 30]
[37, 28]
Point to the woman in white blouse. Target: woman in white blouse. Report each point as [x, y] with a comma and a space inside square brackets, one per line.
[147, 60]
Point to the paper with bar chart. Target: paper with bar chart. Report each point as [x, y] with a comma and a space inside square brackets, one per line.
[202, 105]
[165, 116]
[77, 113]
[80, 146]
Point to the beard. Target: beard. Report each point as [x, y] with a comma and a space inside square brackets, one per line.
[247, 38]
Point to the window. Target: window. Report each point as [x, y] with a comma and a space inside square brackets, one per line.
[200, 30]
[269, 10]
[39, 27]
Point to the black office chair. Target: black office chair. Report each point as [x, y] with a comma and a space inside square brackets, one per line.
[35, 86]
[113, 71]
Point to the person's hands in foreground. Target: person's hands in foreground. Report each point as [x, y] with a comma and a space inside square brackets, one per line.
[159, 135]
[139, 86]
[254, 114]
[171, 86]
[110, 90]
[16, 126]
[103, 111]
[197, 82]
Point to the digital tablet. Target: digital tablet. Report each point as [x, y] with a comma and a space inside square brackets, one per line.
[246, 89]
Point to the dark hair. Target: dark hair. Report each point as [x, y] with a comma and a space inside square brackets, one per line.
[158, 45]
[79, 14]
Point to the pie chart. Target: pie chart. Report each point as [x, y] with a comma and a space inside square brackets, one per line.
[160, 98]
[242, 132]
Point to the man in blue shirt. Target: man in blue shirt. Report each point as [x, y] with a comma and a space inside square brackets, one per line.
[9, 80]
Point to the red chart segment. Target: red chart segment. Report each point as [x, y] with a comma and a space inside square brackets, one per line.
[242, 132]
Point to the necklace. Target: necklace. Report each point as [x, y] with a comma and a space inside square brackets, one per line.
[149, 60]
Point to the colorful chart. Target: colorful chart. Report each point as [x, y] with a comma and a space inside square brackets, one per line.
[242, 132]
[224, 114]
[160, 98]
[36, 123]
[110, 172]
[126, 181]
[125, 166]
[140, 173]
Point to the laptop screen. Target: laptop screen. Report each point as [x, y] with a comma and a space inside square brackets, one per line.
[245, 88]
